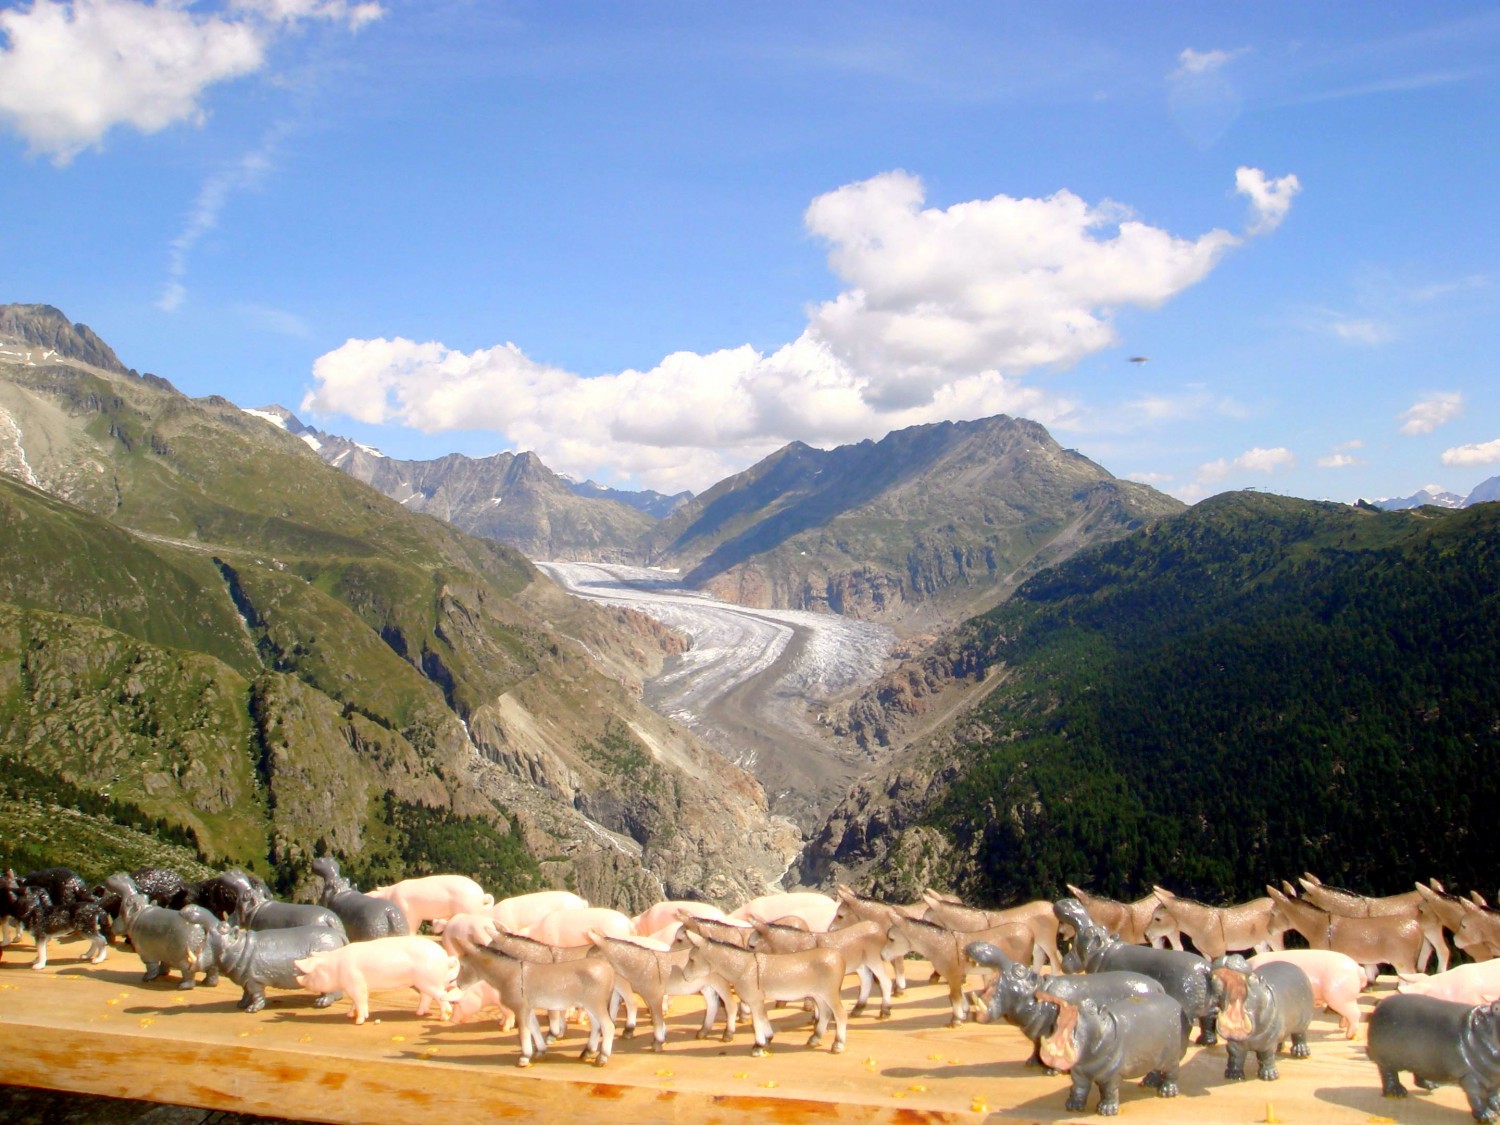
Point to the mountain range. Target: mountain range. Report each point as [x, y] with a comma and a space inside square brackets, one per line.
[204, 625]
[925, 526]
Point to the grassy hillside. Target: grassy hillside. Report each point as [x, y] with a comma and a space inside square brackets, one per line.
[1257, 687]
[201, 617]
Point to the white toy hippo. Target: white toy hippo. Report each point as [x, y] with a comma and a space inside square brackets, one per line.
[519, 912]
[1336, 980]
[381, 964]
[434, 897]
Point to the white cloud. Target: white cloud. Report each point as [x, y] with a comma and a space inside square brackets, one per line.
[1429, 414]
[942, 312]
[246, 172]
[1149, 478]
[72, 70]
[1269, 199]
[1194, 63]
[1255, 460]
[1361, 331]
[1480, 453]
[1340, 457]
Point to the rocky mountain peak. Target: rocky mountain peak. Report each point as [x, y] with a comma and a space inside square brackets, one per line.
[29, 328]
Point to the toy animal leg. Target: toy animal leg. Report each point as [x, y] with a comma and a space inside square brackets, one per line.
[763, 1030]
[321, 1002]
[1234, 1069]
[1390, 1083]
[253, 997]
[897, 969]
[820, 1021]
[359, 996]
[1349, 1017]
[1267, 1071]
[627, 996]
[882, 978]
[188, 978]
[211, 978]
[1078, 1093]
[607, 1037]
[863, 999]
[959, 1001]
[840, 1024]
[710, 1011]
[1481, 1098]
[657, 1006]
[1299, 1045]
[1109, 1097]
[1208, 1031]
[98, 949]
[154, 969]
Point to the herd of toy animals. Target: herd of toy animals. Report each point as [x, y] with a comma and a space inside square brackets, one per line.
[1117, 1005]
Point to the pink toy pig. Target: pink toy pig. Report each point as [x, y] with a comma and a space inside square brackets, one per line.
[570, 928]
[1478, 983]
[519, 912]
[815, 909]
[384, 963]
[464, 931]
[1336, 980]
[436, 896]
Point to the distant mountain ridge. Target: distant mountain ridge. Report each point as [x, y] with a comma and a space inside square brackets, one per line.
[30, 334]
[509, 497]
[928, 525]
[1437, 496]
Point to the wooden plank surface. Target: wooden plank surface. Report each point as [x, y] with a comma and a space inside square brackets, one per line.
[99, 1029]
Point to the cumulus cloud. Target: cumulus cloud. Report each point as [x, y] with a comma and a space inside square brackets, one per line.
[942, 312]
[1429, 414]
[1255, 460]
[1270, 200]
[72, 70]
[1480, 453]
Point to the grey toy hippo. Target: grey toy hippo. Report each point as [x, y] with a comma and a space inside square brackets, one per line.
[1012, 996]
[1184, 976]
[256, 910]
[365, 917]
[1140, 1036]
[258, 959]
[164, 940]
[1258, 1010]
[1439, 1041]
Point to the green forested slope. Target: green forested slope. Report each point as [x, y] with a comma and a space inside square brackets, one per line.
[1255, 688]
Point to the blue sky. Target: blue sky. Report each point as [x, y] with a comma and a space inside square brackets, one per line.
[656, 241]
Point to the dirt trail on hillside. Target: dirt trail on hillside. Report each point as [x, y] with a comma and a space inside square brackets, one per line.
[747, 683]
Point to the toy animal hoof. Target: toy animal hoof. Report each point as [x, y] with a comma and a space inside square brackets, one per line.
[1301, 1051]
[885, 1014]
[1269, 1074]
[1108, 1109]
[1074, 1105]
[628, 1033]
[186, 984]
[1423, 1084]
[658, 1046]
[600, 1060]
[1235, 1075]
[758, 1051]
[1167, 1090]
[523, 1061]
[838, 1048]
[1398, 1092]
[815, 1040]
